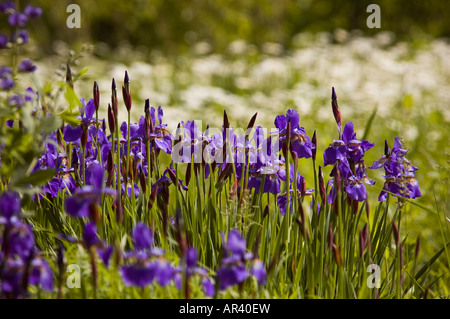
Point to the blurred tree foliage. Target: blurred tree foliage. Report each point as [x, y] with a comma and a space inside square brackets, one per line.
[173, 25]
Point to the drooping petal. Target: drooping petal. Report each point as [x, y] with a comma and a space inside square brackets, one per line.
[90, 236]
[259, 271]
[280, 122]
[139, 275]
[9, 204]
[142, 237]
[348, 133]
[293, 117]
[236, 243]
[72, 134]
[356, 191]
[77, 206]
[229, 276]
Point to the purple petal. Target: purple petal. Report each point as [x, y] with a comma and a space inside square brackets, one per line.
[77, 207]
[356, 191]
[72, 134]
[142, 237]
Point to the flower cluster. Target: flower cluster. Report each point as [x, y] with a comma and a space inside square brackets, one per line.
[400, 173]
[233, 269]
[19, 36]
[21, 263]
[347, 156]
[146, 264]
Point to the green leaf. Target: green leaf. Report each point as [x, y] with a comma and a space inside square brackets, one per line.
[49, 124]
[72, 98]
[369, 123]
[37, 178]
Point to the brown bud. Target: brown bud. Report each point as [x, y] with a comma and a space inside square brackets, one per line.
[114, 101]
[417, 247]
[335, 107]
[142, 180]
[96, 96]
[152, 197]
[323, 193]
[111, 120]
[266, 211]
[396, 234]
[69, 76]
[314, 150]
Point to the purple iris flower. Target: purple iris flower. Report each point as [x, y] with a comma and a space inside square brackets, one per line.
[349, 148]
[72, 133]
[3, 41]
[27, 66]
[7, 6]
[264, 164]
[20, 240]
[41, 274]
[301, 188]
[91, 239]
[12, 278]
[259, 271]
[191, 270]
[32, 12]
[301, 144]
[233, 267]
[78, 205]
[20, 36]
[140, 274]
[400, 173]
[9, 204]
[143, 270]
[17, 19]
[142, 237]
[16, 100]
[6, 83]
[282, 202]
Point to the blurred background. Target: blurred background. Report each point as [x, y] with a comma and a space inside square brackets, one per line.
[173, 26]
[197, 58]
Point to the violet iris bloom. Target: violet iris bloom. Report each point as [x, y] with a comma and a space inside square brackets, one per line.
[301, 144]
[143, 269]
[191, 270]
[91, 239]
[400, 173]
[233, 267]
[78, 204]
[9, 205]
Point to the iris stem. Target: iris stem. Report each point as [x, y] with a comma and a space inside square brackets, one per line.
[128, 149]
